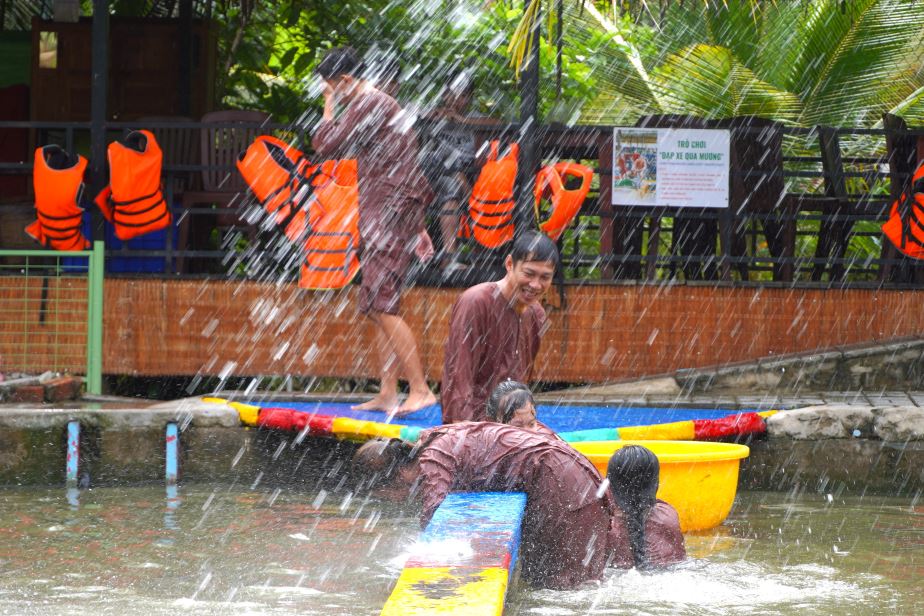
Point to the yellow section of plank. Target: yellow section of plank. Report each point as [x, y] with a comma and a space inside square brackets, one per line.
[674, 431]
[247, 412]
[446, 590]
[347, 427]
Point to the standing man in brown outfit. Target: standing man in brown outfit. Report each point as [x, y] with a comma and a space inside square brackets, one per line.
[494, 329]
[373, 129]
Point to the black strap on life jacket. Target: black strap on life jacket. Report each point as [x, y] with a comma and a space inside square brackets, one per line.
[908, 209]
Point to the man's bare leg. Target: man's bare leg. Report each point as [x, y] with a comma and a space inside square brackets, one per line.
[449, 227]
[387, 398]
[402, 343]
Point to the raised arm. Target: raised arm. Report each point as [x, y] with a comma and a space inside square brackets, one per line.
[357, 128]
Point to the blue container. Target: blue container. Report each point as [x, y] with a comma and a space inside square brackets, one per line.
[78, 264]
[123, 262]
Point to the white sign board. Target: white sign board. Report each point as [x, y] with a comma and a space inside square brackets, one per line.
[675, 167]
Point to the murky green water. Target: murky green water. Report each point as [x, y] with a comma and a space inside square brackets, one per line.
[231, 550]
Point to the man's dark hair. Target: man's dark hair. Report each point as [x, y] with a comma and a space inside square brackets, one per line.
[339, 61]
[633, 476]
[506, 398]
[534, 246]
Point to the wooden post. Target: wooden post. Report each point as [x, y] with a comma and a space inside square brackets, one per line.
[528, 163]
[99, 89]
[833, 232]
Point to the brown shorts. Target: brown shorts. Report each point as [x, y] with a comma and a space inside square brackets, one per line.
[383, 280]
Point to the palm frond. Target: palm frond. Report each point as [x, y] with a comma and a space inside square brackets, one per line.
[709, 81]
[858, 60]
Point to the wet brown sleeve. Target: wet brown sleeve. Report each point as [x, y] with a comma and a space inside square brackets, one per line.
[461, 359]
[437, 469]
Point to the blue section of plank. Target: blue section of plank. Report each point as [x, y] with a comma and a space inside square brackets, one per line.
[472, 529]
[560, 418]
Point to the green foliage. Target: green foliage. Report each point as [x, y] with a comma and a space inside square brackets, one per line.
[270, 52]
[820, 62]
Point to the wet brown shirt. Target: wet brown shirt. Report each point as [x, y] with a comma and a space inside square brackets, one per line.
[663, 539]
[393, 191]
[488, 343]
[565, 525]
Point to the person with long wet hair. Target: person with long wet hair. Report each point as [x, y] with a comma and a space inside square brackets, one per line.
[645, 531]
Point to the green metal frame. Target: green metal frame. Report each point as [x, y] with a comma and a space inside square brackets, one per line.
[95, 276]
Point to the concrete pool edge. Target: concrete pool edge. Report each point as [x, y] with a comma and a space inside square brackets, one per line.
[127, 445]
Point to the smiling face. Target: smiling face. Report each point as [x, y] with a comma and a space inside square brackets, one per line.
[528, 280]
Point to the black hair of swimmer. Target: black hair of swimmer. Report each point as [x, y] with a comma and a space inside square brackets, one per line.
[339, 61]
[633, 476]
[534, 246]
[506, 398]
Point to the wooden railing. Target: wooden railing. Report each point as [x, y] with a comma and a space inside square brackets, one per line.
[805, 208]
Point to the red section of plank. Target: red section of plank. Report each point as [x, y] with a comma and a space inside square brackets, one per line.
[733, 425]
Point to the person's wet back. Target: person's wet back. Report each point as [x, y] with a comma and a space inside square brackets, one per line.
[645, 530]
[564, 539]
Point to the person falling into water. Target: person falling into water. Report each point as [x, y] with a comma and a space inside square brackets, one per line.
[374, 130]
[568, 511]
[495, 329]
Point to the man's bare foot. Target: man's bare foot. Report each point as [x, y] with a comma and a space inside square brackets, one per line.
[415, 402]
[379, 403]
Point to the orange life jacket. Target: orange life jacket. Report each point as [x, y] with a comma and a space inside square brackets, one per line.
[491, 204]
[133, 202]
[58, 181]
[332, 232]
[316, 206]
[275, 172]
[905, 227]
[566, 202]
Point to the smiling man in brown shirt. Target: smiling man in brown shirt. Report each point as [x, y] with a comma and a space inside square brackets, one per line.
[374, 130]
[494, 329]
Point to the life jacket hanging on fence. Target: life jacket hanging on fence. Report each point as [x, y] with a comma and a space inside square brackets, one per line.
[329, 222]
[551, 183]
[905, 227]
[277, 175]
[134, 201]
[58, 183]
[492, 201]
[315, 206]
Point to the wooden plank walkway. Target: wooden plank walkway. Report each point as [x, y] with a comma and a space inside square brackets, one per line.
[464, 559]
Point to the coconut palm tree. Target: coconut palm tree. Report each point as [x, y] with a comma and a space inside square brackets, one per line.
[819, 62]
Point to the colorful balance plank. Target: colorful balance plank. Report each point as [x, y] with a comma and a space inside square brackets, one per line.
[463, 560]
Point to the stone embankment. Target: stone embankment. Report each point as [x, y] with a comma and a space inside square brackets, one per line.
[841, 448]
